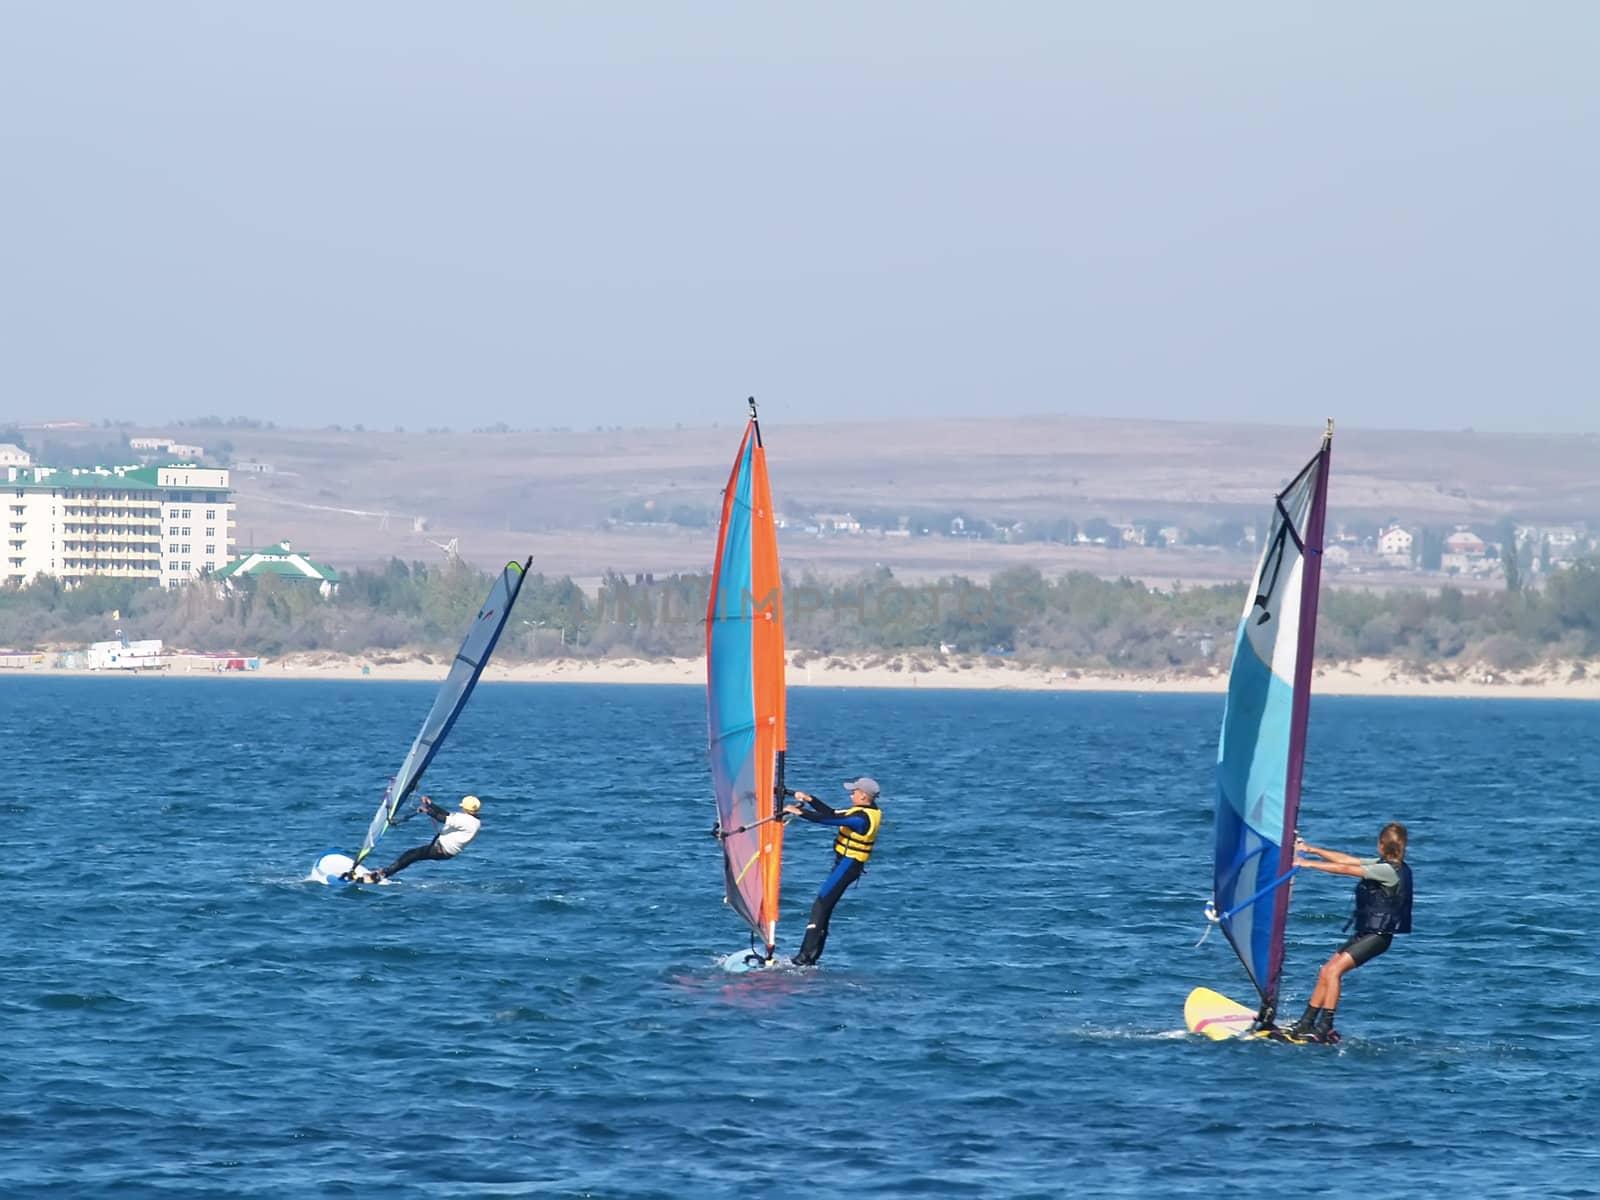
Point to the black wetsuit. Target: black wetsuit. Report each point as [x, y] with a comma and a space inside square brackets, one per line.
[426, 851]
[415, 855]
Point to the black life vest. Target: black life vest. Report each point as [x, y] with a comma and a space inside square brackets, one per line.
[1384, 910]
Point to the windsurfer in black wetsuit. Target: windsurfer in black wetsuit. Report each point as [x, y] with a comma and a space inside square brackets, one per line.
[858, 832]
[1383, 909]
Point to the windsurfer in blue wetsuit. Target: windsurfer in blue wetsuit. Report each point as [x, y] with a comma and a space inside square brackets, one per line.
[1383, 909]
[852, 846]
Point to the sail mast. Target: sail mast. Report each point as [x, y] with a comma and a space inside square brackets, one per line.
[1305, 652]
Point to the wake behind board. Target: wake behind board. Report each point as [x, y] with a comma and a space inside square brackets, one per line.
[1213, 1015]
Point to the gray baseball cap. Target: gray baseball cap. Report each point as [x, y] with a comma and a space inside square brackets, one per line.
[866, 783]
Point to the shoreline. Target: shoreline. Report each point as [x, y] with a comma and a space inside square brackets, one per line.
[1363, 677]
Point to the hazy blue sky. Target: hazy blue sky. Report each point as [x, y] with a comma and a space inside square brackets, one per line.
[539, 213]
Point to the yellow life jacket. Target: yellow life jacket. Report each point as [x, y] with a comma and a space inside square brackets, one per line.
[858, 845]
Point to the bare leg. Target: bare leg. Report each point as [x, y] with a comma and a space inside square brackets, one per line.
[1329, 979]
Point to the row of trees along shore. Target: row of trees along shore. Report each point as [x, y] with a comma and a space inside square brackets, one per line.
[1075, 621]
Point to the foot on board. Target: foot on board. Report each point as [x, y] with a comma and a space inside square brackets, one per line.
[1301, 1037]
[1290, 1034]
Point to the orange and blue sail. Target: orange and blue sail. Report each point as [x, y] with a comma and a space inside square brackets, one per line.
[1261, 752]
[745, 691]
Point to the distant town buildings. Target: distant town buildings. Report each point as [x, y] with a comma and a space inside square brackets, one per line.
[163, 524]
[836, 523]
[1394, 543]
[160, 445]
[12, 455]
[1561, 538]
[1355, 547]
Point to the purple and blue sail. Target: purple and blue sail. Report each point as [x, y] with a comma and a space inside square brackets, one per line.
[1261, 752]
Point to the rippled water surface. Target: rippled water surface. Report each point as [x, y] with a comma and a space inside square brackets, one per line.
[184, 1014]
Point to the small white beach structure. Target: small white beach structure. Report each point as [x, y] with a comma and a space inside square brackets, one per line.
[125, 656]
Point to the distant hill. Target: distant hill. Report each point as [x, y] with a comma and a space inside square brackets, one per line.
[574, 499]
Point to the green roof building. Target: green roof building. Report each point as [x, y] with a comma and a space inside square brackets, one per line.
[285, 563]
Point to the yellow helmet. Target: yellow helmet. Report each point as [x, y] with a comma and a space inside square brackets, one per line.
[470, 804]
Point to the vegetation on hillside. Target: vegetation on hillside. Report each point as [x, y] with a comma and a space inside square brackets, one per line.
[1078, 620]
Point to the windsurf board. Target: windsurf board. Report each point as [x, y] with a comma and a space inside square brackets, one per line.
[1213, 1015]
[330, 868]
[742, 962]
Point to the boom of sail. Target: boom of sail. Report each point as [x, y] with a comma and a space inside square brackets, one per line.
[1262, 747]
[452, 698]
[745, 691]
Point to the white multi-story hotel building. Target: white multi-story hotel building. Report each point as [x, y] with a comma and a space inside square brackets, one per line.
[167, 524]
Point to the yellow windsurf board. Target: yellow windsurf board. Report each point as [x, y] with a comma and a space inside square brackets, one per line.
[1213, 1015]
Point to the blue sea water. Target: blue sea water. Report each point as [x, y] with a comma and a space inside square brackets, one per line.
[182, 1013]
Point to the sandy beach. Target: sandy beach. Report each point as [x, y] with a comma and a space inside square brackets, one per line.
[1364, 677]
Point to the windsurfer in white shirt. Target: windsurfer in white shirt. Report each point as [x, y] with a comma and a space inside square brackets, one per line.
[457, 829]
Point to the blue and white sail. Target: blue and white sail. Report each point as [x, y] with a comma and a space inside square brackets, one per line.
[452, 698]
[1262, 748]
